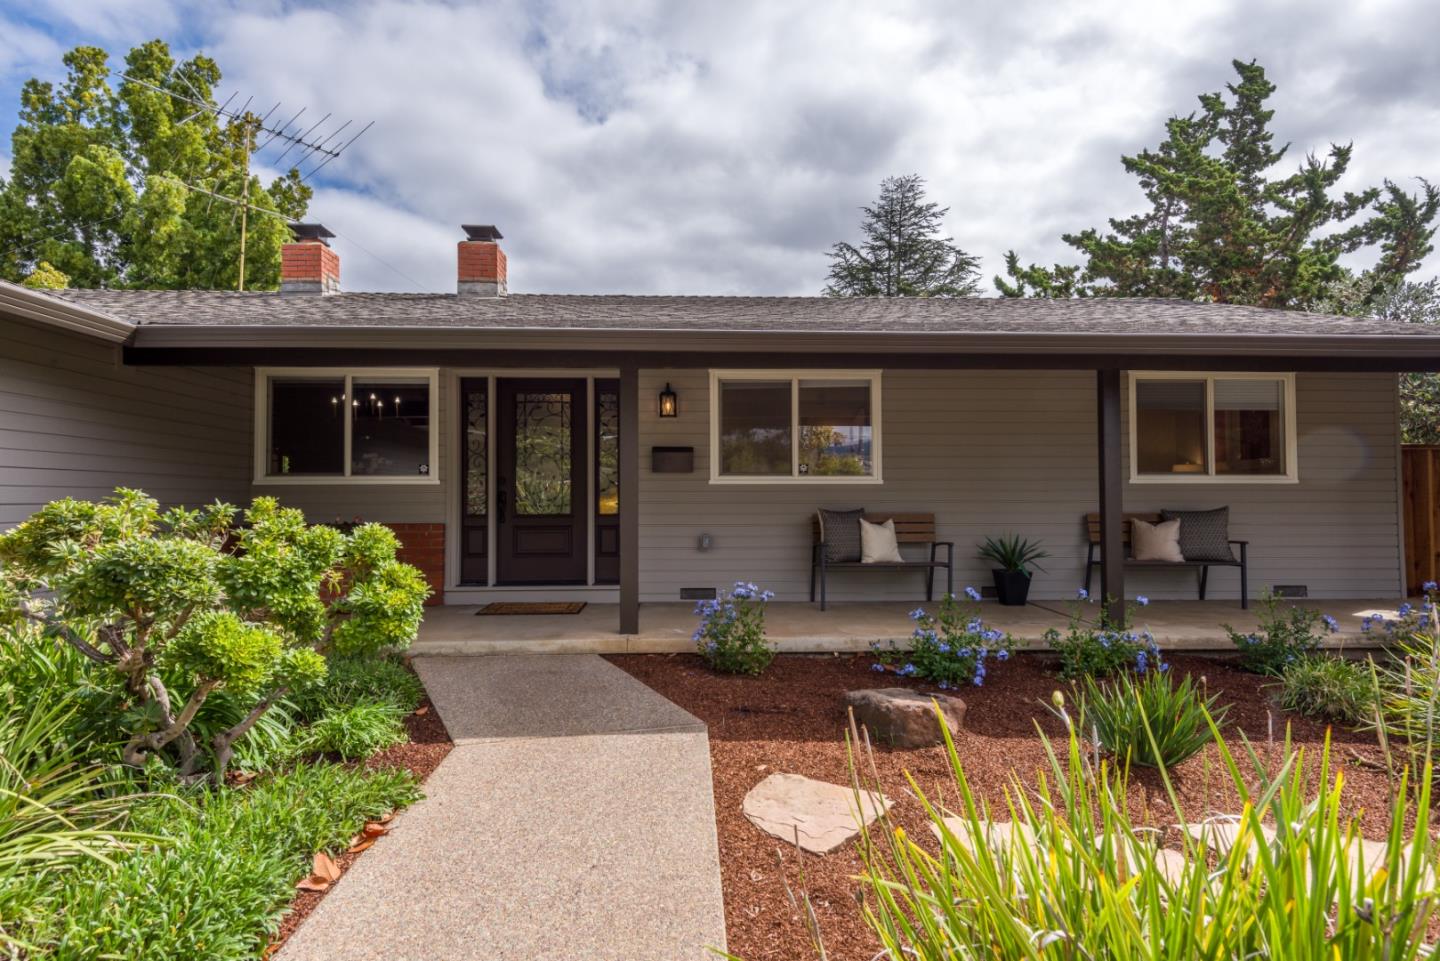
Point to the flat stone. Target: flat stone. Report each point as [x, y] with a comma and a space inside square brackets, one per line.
[1220, 833]
[999, 835]
[819, 815]
[903, 717]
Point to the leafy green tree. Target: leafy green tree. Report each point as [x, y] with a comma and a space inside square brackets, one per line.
[46, 277]
[1410, 302]
[903, 253]
[114, 186]
[179, 605]
[1220, 226]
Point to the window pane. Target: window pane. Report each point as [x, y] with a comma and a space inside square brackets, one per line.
[607, 449]
[307, 426]
[755, 428]
[542, 453]
[835, 428]
[477, 450]
[1247, 427]
[390, 431]
[1170, 427]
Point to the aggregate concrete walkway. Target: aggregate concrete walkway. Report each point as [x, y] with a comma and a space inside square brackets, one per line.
[573, 820]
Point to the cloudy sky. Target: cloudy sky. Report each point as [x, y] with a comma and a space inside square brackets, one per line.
[653, 147]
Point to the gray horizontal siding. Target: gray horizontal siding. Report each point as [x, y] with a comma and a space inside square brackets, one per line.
[75, 423]
[993, 452]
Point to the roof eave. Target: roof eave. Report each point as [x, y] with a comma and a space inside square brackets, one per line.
[1406, 346]
[39, 307]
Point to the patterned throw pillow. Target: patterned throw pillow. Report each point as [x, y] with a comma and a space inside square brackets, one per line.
[840, 533]
[1204, 535]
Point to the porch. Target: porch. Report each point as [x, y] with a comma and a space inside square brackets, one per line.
[847, 626]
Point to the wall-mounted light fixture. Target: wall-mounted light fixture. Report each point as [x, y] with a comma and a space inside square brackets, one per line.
[669, 402]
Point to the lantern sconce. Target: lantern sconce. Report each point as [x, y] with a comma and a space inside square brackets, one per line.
[669, 402]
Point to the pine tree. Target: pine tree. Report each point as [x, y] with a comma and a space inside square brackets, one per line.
[903, 254]
[111, 186]
[1221, 227]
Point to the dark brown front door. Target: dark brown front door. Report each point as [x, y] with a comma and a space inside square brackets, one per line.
[541, 492]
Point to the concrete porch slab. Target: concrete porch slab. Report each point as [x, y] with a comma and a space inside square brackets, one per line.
[847, 626]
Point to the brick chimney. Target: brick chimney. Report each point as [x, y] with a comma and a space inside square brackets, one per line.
[307, 264]
[481, 262]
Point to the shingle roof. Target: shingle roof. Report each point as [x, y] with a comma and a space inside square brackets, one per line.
[193, 308]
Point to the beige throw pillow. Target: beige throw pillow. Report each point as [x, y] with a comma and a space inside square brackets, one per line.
[878, 544]
[1155, 542]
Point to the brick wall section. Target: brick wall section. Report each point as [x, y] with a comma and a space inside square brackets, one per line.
[481, 261]
[424, 546]
[312, 261]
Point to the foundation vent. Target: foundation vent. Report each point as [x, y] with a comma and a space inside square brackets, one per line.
[697, 593]
[1291, 590]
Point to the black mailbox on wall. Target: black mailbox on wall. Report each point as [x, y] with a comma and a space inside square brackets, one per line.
[672, 460]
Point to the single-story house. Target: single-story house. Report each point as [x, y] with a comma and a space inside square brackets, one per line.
[632, 449]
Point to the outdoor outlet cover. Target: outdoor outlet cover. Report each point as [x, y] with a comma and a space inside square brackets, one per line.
[705, 542]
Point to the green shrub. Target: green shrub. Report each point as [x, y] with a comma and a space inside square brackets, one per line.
[1148, 720]
[217, 887]
[1102, 647]
[1287, 633]
[1334, 688]
[356, 730]
[949, 647]
[731, 635]
[1081, 879]
[354, 679]
[195, 600]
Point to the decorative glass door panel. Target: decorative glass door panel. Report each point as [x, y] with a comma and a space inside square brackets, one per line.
[607, 481]
[540, 482]
[475, 480]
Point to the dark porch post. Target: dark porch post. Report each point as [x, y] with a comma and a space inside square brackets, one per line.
[1112, 518]
[629, 500]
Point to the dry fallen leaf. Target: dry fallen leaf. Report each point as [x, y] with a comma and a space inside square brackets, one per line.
[422, 711]
[389, 816]
[359, 846]
[324, 867]
[375, 829]
[242, 778]
[313, 883]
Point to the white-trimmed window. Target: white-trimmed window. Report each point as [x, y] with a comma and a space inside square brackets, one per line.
[814, 427]
[1212, 428]
[328, 425]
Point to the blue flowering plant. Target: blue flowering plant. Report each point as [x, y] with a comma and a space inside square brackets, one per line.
[731, 635]
[1409, 619]
[1287, 634]
[950, 646]
[1098, 644]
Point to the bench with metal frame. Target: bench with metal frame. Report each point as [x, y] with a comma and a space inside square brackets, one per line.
[909, 529]
[1092, 557]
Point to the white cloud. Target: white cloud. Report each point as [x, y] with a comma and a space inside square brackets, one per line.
[658, 147]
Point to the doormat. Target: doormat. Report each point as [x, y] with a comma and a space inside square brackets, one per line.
[532, 607]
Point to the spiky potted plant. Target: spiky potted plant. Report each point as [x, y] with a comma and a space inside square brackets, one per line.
[1013, 557]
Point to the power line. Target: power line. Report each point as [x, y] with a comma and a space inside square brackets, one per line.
[384, 263]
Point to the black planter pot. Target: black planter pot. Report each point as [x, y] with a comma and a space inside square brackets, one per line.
[1011, 587]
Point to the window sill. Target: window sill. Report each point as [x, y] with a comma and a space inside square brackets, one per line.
[1208, 479]
[341, 481]
[818, 481]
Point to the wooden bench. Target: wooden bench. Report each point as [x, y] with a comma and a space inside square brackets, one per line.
[1092, 558]
[909, 529]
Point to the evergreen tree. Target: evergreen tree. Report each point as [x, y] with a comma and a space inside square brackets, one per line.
[1221, 227]
[111, 186]
[903, 254]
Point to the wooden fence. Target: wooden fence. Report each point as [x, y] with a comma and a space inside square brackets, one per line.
[1420, 469]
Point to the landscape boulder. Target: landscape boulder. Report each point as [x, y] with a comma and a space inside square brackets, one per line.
[903, 717]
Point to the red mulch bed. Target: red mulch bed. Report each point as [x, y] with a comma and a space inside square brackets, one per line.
[792, 719]
[428, 744]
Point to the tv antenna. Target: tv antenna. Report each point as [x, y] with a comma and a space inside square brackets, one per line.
[316, 144]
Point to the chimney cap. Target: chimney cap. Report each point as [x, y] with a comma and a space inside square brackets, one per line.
[482, 232]
[304, 232]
